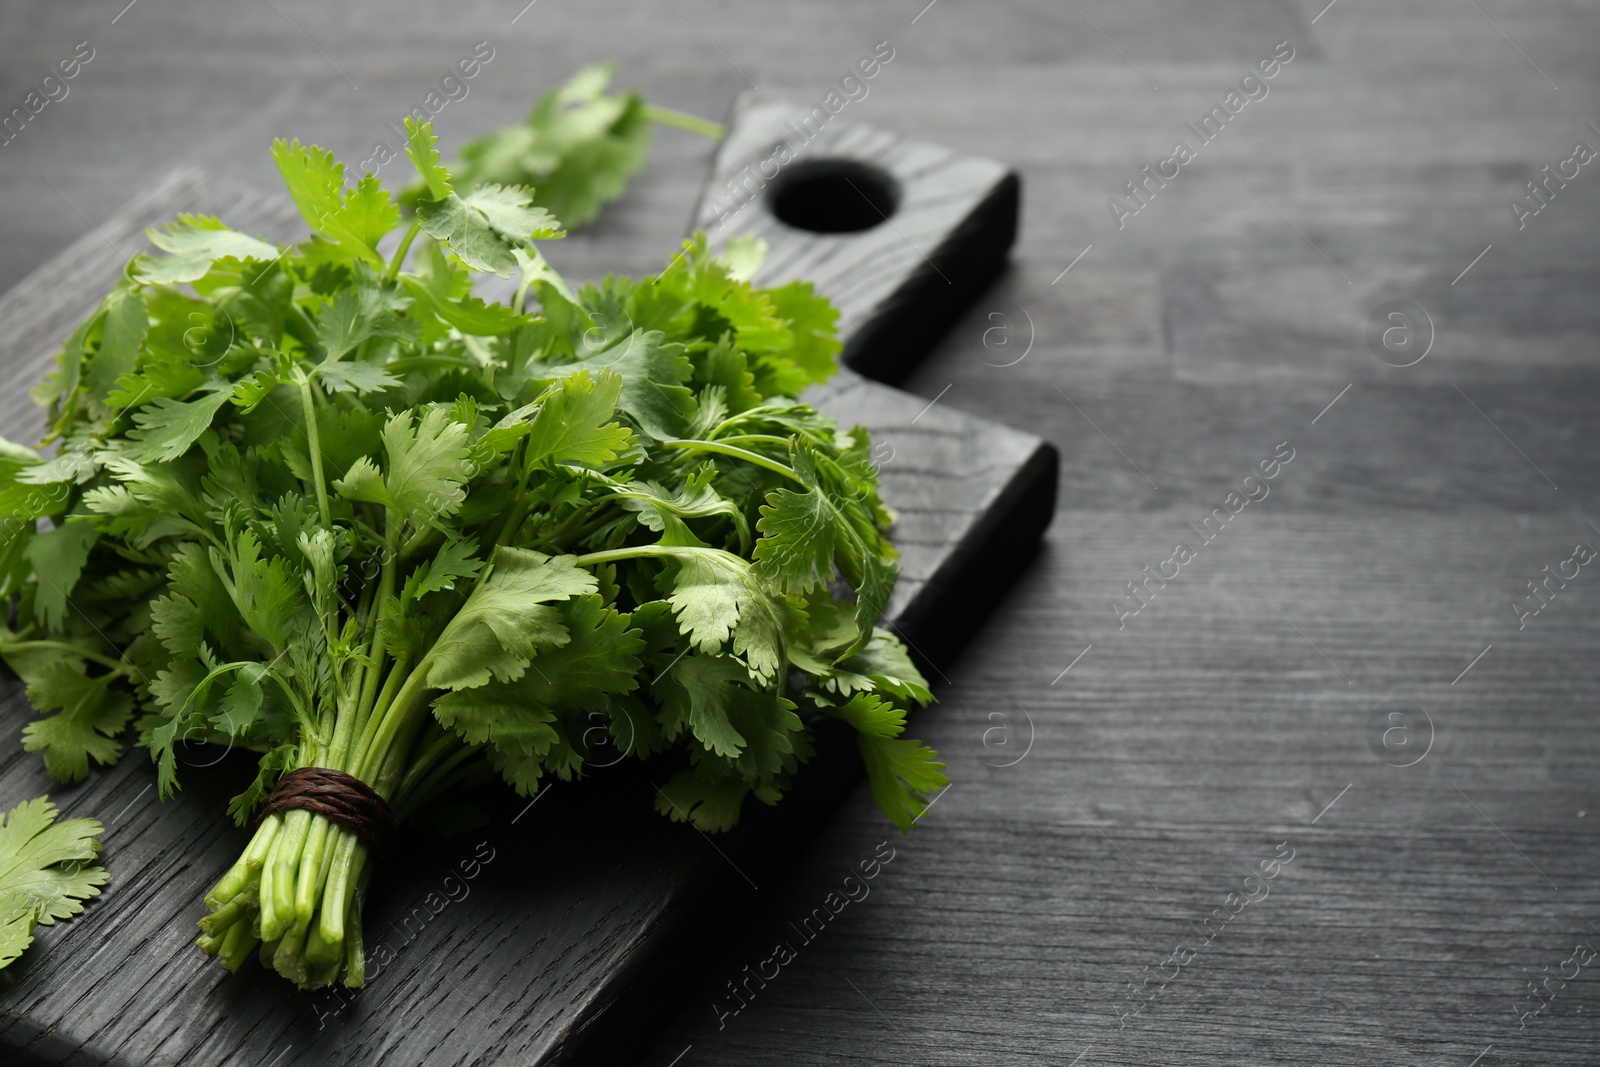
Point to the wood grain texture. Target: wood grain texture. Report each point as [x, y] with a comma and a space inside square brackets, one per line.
[1007, 929]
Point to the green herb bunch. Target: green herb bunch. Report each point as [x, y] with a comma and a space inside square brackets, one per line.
[325, 503]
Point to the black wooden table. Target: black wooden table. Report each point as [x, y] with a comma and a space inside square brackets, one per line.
[1337, 673]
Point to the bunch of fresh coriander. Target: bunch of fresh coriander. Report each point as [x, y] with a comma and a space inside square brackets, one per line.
[324, 503]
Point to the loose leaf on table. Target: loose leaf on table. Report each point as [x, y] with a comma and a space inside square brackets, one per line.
[43, 876]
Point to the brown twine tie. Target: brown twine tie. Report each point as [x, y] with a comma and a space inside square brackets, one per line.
[339, 797]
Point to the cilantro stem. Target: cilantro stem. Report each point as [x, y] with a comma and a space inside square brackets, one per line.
[613, 555]
[433, 359]
[386, 725]
[115, 665]
[400, 253]
[309, 404]
[369, 682]
[757, 438]
[437, 759]
[682, 120]
[737, 453]
[515, 516]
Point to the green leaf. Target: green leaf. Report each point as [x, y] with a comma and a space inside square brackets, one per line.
[427, 468]
[127, 323]
[267, 592]
[242, 703]
[91, 716]
[600, 658]
[456, 560]
[509, 212]
[166, 427]
[43, 872]
[498, 714]
[902, 771]
[715, 597]
[803, 532]
[652, 371]
[665, 511]
[363, 311]
[356, 219]
[743, 255]
[795, 551]
[506, 620]
[486, 226]
[698, 691]
[575, 422]
[811, 356]
[427, 465]
[193, 243]
[58, 557]
[366, 216]
[420, 146]
[577, 148]
[713, 808]
[883, 665]
[313, 177]
[358, 378]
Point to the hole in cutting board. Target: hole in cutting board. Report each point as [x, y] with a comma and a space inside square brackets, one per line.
[834, 196]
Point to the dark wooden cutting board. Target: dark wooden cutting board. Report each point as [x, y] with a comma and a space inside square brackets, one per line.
[564, 930]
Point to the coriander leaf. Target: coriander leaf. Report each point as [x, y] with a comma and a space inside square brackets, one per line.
[652, 372]
[883, 665]
[367, 214]
[356, 219]
[16, 927]
[811, 355]
[713, 808]
[795, 552]
[420, 146]
[126, 324]
[600, 658]
[58, 557]
[364, 310]
[714, 597]
[698, 691]
[469, 314]
[902, 771]
[802, 532]
[535, 269]
[484, 227]
[167, 427]
[314, 178]
[427, 465]
[90, 717]
[577, 148]
[267, 592]
[242, 703]
[427, 468]
[193, 244]
[274, 762]
[455, 560]
[177, 623]
[743, 255]
[43, 876]
[664, 511]
[358, 378]
[510, 213]
[498, 713]
[506, 620]
[574, 423]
